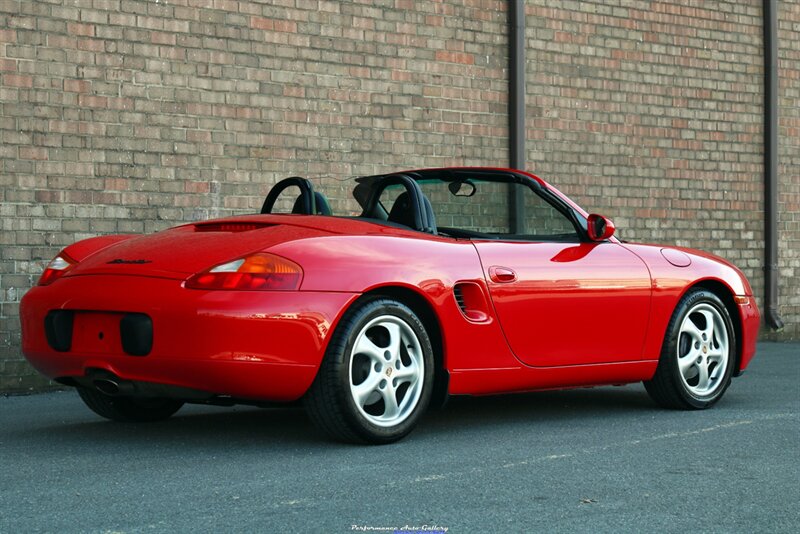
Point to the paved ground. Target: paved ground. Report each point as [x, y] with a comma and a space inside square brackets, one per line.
[601, 460]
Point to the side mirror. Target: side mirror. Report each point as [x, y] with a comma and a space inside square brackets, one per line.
[600, 228]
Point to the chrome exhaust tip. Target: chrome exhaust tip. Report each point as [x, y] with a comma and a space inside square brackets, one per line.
[113, 388]
[106, 386]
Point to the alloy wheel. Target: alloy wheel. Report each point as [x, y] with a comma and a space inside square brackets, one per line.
[703, 350]
[386, 371]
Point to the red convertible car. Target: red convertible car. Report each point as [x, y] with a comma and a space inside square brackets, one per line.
[437, 282]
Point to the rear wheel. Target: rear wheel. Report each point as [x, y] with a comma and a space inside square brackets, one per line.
[128, 409]
[377, 375]
[698, 354]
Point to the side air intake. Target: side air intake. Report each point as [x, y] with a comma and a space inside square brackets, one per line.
[471, 301]
[458, 291]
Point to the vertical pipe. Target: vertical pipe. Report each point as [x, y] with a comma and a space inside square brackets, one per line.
[771, 273]
[516, 108]
[516, 99]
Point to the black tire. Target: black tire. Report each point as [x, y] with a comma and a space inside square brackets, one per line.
[700, 335]
[128, 409]
[331, 400]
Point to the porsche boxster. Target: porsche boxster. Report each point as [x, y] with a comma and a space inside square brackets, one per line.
[372, 306]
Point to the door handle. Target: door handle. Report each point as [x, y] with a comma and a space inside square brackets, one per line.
[502, 275]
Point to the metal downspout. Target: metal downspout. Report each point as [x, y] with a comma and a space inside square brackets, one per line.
[516, 107]
[771, 272]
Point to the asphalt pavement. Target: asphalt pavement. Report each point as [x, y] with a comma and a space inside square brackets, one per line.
[588, 460]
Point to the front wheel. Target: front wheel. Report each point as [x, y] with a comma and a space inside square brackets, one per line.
[698, 354]
[377, 375]
[128, 409]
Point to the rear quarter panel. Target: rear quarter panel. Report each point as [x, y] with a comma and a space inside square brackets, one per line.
[428, 265]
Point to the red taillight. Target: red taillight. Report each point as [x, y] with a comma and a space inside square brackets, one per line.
[258, 272]
[58, 267]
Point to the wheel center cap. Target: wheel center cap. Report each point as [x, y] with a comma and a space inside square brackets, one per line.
[705, 349]
[388, 371]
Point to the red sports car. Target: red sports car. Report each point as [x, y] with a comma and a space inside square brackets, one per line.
[437, 282]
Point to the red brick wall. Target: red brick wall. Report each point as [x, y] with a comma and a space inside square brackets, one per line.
[133, 115]
[789, 167]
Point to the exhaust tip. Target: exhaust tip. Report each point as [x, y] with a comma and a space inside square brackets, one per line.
[107, 387]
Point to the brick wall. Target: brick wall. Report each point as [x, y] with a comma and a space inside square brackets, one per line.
[131, 116]
[134, 115]
[789, 167]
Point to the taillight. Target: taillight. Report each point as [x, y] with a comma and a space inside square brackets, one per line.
[58, 267]
[257, 272]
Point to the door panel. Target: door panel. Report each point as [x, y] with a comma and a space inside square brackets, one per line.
[571, 303]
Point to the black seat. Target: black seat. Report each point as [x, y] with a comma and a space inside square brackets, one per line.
[411, 209]
[320, 203]
[402, 212]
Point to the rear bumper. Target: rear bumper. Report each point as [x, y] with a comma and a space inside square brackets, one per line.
[259, 345]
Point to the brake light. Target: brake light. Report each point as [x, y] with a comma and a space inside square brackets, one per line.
[58, 267]
[257, 272]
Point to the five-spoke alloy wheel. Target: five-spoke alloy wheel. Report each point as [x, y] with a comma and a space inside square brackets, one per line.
[698, 354]
[703, 349]
[386, 371]
[376, 378]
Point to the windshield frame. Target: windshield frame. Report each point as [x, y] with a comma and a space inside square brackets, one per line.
[362, 192]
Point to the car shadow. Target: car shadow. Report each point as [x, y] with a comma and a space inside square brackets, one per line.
[206, 427]
[540, 407]
[194, 427]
